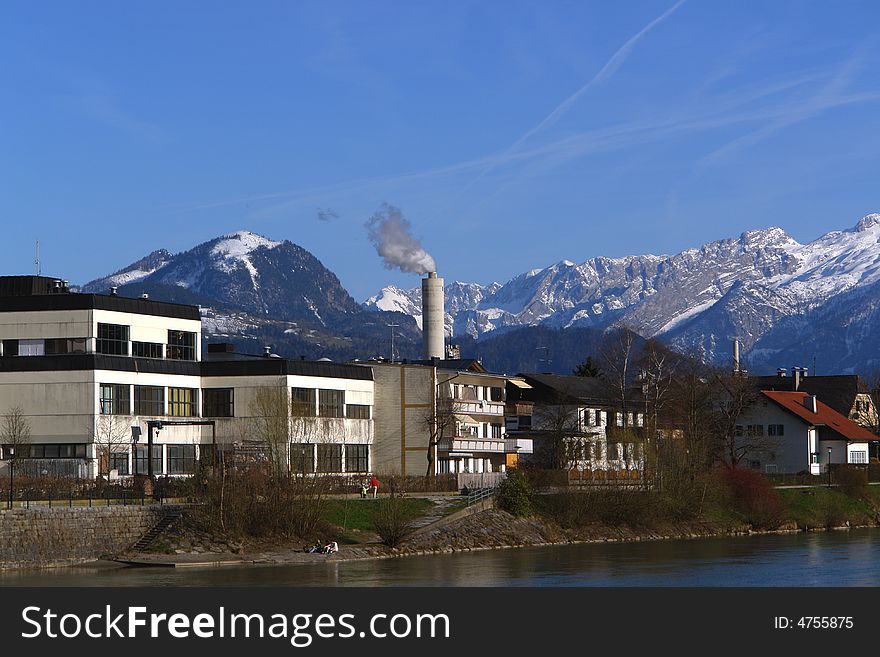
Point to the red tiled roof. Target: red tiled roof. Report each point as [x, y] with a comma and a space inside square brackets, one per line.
[793, 402]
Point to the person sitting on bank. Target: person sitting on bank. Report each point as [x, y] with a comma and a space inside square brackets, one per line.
[331, 547]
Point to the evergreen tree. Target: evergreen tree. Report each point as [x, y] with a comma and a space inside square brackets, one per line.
[589, 368]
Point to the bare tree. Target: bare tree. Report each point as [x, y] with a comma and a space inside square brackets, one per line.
[561, 443]
[112, 436]
[439, 422]
[15, 432]
[731, 397]
[270, 421]
[619, 353]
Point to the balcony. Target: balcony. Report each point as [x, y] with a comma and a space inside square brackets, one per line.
[470, 444]
[518, 445]
[479, 407]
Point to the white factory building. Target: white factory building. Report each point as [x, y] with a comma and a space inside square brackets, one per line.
[91, 374]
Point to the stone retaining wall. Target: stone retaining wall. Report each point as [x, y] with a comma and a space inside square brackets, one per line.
[41, 538]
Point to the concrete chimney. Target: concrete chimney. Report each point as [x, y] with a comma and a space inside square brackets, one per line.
[781, 372]
[736, 367]
[810, 403]
[433, 319]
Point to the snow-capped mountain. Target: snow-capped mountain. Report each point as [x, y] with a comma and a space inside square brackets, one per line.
[248, 272]
[134, 272]
[696, 300]
[459, 297]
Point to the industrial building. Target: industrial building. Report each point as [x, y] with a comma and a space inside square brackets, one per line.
[95, 375]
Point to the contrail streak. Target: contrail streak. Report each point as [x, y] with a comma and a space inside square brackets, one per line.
[610, 67]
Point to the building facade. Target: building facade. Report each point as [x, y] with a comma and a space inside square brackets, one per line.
[94, 374]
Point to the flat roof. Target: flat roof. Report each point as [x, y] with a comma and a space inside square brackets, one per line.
[77, 301]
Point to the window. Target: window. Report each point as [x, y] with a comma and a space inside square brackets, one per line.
[755, 430]
[115, 399]
[357, 458]
[329, 458]
[496, 431]
[48, 451]
[31, 348]
[140, 461]
[10, 347]
[182, 402]
[357, 411]
[181, 345]
[619, 419]
[302, 402]
[496, 394]
[218, 402]
[331, 403]
[738, 431]
[181, 459]
[146, 349]
[149, 400]
[775, 429]
[302, 458]
[524, 421]
[858, 457]
[119, 462]
[112, 340]
[54, 346]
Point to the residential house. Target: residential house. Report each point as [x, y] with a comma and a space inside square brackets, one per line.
[792, 432]
[577, 423]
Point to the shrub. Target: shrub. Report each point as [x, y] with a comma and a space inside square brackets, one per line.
[831, 511]
[754, 497]
[393, 519]
[514, 494]
[575, 509]
[852, 481]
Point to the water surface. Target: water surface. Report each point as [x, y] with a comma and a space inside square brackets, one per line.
[842, 558]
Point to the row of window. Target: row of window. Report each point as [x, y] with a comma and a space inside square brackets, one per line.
[217, 402]
[115, 399]
[757, 430]
[464, 392]
[112, 340]
[180, 459]
[322, 457]
[330, 403]
[482, 430]
[47, 451]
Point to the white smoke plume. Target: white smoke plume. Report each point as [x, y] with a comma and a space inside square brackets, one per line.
[389, 231]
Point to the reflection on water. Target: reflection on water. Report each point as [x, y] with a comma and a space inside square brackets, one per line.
[821, 559]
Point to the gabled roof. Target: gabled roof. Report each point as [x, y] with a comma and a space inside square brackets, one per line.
[837, 391]
[825, 416]
[554, 388]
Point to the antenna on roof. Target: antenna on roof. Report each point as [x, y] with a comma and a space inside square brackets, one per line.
[37, 257]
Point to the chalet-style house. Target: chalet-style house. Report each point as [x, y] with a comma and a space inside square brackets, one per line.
[577, 423]
[795, 432]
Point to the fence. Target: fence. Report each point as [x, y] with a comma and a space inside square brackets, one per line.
[28, 499]
[805, 479]
[472, 480]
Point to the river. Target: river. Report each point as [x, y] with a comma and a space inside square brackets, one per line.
[840, 558]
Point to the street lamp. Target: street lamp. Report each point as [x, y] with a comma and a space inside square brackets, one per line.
[829, 465]
[11, 475]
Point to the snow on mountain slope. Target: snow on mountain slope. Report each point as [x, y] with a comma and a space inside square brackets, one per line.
[131, 274]
[698, 298]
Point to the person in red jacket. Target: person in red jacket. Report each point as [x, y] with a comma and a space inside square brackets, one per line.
[374, 485]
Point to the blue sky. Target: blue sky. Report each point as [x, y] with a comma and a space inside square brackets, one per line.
[512, 135]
